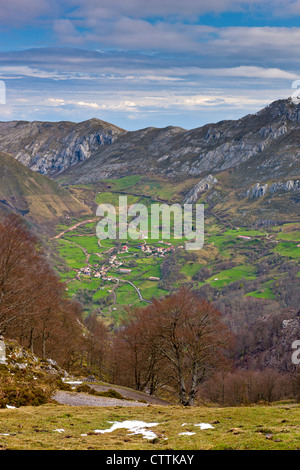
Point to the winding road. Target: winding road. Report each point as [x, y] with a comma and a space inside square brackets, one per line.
[70, 229]
[137, 289]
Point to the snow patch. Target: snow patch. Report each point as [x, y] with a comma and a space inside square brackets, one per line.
[204, 426]
[72, 382]
[201, 425]
[137, 427]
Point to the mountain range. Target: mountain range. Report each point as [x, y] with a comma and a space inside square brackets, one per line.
[251, 165]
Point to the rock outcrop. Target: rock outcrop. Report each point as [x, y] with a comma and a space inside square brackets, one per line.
[203, 185]
[289, 185]
[259, 190]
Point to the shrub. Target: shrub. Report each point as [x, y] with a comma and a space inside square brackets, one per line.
[84, 388]
[111, 394]
[22, 396]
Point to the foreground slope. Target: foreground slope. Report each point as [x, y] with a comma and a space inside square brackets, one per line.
[50, 427]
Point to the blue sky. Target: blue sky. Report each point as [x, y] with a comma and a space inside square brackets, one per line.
[139, 63]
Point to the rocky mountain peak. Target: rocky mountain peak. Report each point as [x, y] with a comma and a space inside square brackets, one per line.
[286, 109]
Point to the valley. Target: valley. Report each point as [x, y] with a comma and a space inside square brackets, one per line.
[108, 276]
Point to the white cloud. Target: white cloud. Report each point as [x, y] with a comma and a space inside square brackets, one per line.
[245, 71]
[89, 105]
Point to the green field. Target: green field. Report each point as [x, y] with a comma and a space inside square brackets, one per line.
[231, 275]
[290, 250]
[266, 293]
[289, 236]
[72, 254]
[90, 243]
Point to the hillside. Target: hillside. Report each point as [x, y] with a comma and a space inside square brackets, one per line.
[245, 170]
[44, 408]
[33, 195]
[50, 147]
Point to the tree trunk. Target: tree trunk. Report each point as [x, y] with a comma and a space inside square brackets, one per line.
[183, 394]
[31, 340]
[192, 396]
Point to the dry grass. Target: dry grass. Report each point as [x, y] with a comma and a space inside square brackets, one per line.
[240, 428]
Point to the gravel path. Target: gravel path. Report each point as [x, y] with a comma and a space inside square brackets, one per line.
[132, 394]
[83, 399]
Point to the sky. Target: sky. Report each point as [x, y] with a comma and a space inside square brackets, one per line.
[141, 63]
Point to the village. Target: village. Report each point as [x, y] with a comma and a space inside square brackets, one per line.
[102, 271]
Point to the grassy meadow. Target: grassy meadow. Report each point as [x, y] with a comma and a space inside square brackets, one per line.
[58, 427]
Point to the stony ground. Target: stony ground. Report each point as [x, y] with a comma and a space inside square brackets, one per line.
[131, 397]
[83, 399]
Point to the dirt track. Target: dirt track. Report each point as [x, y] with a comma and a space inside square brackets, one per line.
[83, 399]
[131, 398]
[70, 229]
[131, 394]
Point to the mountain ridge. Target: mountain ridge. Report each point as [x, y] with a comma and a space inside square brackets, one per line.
[212, 148]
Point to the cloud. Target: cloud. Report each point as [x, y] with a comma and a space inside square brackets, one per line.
[66, 32]
[156, 101]
[135, 58]
[89, 105]
[264, 46]
[90, 12]
[20, 12]
[244, 71]
[110, 105]
[93, 10]
[56, 101]
[256, 43]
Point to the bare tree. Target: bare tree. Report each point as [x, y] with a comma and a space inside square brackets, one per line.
[177, 340]
[191, 336]
[22, 271]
